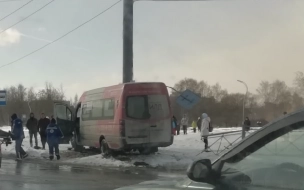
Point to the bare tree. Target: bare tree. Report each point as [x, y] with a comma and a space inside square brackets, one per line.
[20, 98]
[299, 83]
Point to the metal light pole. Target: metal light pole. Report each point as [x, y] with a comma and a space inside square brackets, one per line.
[128, 37]
[127, 41]
[245, 96]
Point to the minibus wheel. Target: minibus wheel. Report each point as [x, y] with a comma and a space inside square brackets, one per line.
[154, 149]
[145, 151]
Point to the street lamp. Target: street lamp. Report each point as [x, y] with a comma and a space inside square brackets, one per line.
[245, 95]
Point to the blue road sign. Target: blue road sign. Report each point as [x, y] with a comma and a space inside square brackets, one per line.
[2, 98]
[188, 99]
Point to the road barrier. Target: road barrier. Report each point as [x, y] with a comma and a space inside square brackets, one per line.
[222, 136]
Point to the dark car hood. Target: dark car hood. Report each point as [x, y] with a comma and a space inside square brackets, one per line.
[169, 184]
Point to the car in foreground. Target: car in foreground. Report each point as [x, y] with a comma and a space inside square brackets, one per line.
[270, 159]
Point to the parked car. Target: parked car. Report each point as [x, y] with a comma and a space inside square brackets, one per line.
[271, 158]
[124, 117]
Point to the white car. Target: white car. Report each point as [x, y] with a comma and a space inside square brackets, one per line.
[270, 159]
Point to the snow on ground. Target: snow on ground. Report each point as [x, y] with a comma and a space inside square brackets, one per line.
[98, 160]
[184, 150]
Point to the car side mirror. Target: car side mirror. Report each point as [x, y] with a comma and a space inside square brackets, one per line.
[201, 171]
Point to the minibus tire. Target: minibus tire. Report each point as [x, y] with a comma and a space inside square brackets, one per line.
[145, 151]
[154, 149]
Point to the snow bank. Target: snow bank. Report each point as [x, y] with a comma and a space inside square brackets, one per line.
[184, 150]
[97, 160]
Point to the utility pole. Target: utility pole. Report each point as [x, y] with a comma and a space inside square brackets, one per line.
[128, 38]
[127, 41]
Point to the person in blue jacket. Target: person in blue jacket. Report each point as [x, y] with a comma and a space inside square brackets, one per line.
[18, 135]
[53, 134]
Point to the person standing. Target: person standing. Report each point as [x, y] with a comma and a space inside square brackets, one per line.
[42, 125]
[174, 125]
[53, 133]
[184, 123]
[199, 123]
[205, 129]
[18, 134]
[31, 125]
[178, 127]
[194, 126]
[247, 124]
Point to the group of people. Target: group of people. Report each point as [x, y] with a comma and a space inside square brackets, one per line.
[47, 128]
[203, 125]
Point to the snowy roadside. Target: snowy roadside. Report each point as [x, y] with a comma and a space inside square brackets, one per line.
[185, 150]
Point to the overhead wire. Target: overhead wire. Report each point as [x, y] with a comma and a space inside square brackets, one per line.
[62, 36]
[7, 1]
[28, 16]
[16, 10]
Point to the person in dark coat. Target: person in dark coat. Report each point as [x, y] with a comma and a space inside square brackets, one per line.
[18, 135]
[247, 124]
[199, 124]
[31, 125]
[53, 133]
[177, 127]
[174, 120]
[42, 125]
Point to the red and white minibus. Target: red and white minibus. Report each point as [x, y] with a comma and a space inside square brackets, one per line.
[123, 117]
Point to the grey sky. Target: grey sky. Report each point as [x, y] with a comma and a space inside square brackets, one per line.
[219, 41]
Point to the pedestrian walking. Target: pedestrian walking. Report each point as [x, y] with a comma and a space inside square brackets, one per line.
[194, 126]
[184, 123]
[18, 136]
[53, 133]
[42, 125]
[205, 129]
[247, 124]
[178, 127]
[199, 124]
[32, 126]
[174, 125]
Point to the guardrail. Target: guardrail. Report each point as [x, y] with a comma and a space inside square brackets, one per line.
[222, 136]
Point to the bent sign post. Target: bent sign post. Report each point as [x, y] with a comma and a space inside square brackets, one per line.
[2, 98]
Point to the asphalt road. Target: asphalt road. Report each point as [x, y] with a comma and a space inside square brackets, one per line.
[52, 175]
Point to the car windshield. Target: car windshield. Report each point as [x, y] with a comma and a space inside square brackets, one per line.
[276, 161]
[147, 107]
